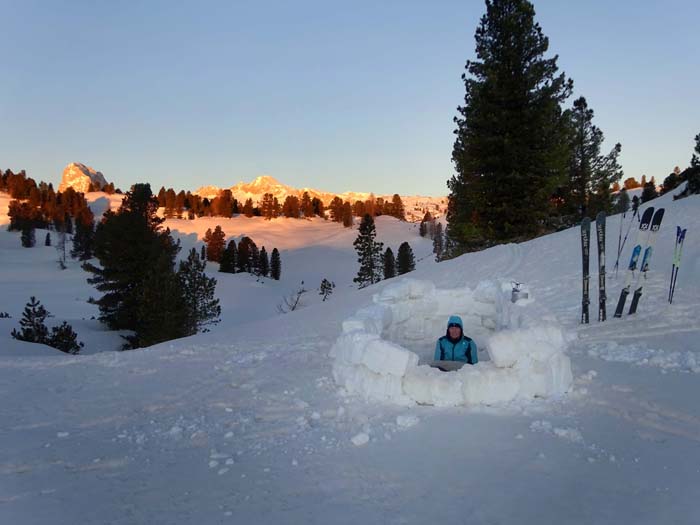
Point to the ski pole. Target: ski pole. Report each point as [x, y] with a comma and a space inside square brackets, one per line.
[621, 248]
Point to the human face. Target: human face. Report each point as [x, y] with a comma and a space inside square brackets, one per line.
[455, 331]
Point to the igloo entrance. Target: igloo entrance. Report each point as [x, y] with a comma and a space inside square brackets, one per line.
[382, 350]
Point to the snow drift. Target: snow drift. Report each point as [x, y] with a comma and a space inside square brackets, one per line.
[525, 347]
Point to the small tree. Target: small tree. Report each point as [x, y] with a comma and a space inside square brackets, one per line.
[28, 236]
[228, 258]
[215, 243]
[263, 263]
[389, 264]
[405, 262]
[649, 192]
[47, 240]
[65, 339]
[326, 288]
[33, 329]
[623, 202]
[275, 265]
[61, 250]
[695, 159]
[198, 292]
[292, 301]
[369, 254]
[438, 242]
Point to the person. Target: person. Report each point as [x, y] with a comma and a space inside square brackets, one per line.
[454, 345]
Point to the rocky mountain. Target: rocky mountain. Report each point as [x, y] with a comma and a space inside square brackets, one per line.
[80, 177]
[415, 205]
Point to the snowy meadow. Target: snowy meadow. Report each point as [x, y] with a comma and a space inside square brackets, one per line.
[302, 417]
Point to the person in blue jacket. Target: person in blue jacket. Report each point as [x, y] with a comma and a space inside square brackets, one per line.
[454, 345]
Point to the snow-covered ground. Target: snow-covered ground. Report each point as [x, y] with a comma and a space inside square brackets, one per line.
[246, 424]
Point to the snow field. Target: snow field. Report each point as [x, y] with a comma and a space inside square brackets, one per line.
[526, 347]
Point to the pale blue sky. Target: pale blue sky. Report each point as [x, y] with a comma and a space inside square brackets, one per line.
[332, 95]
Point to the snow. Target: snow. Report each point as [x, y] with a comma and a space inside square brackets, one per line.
[253, 422]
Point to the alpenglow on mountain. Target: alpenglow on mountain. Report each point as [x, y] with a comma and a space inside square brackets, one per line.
[80, 177]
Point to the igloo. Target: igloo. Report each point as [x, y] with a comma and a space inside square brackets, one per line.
[383, 350]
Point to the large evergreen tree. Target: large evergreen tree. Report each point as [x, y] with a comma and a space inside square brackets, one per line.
[264, 263]
[136, 273]
[369, 254]
[405, 262]
[511, 148]
[438, 244]
[198, 290]
[591, 174]
[84, 238]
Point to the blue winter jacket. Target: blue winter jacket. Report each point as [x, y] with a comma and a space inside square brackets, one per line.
[462, 350]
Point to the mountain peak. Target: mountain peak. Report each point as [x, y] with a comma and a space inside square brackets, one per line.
[80, 177]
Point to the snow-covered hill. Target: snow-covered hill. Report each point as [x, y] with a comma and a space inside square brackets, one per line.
[246, 424]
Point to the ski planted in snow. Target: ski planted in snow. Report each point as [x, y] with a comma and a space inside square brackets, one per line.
[677, 252]
[636, 251]
[600, 235]
[585, 254]
[648, 251]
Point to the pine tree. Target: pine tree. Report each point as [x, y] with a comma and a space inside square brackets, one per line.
[84, 238]
[199, 292]
[33, 329]
[590, 173]
[649, 192]
[347, 214]
[695, 159]
[136, 272]
[248, 208]
[291, 207]
[264, 264]
[405, 262]
[438, 242]
[307, 207]
[47, 240]
[336, 208]
[243, 262]
[216, 241]
[229, 258]
[369, 254]
[326, 289]
[28, 236]
[397, 208]
[389, 264]
[203, 253]
[65, 339]
[254, 259]
[275, 265]
[511, 149]
[623, 202]
[267, 206]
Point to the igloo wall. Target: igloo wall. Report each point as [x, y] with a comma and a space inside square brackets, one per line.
[525, 347]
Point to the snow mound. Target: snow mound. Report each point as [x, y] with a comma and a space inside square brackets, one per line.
[525, 346]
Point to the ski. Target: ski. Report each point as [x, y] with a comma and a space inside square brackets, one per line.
[632, 266]
[648, 251]
[585, 254]
[677, 252]
[600, 235]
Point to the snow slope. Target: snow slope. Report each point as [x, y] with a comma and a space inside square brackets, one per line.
[246, 424]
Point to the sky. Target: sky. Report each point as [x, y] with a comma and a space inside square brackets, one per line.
[337, 96]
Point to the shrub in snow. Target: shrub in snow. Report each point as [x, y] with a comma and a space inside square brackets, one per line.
[292, 301]
[525, 347]
[326, 288]
[34, 330]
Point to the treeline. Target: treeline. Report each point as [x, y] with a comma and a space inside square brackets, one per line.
[242, 258]
[527, 162]
[39, 206]
[188, 205]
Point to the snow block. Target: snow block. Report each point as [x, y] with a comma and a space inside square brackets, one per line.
[526, 347]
